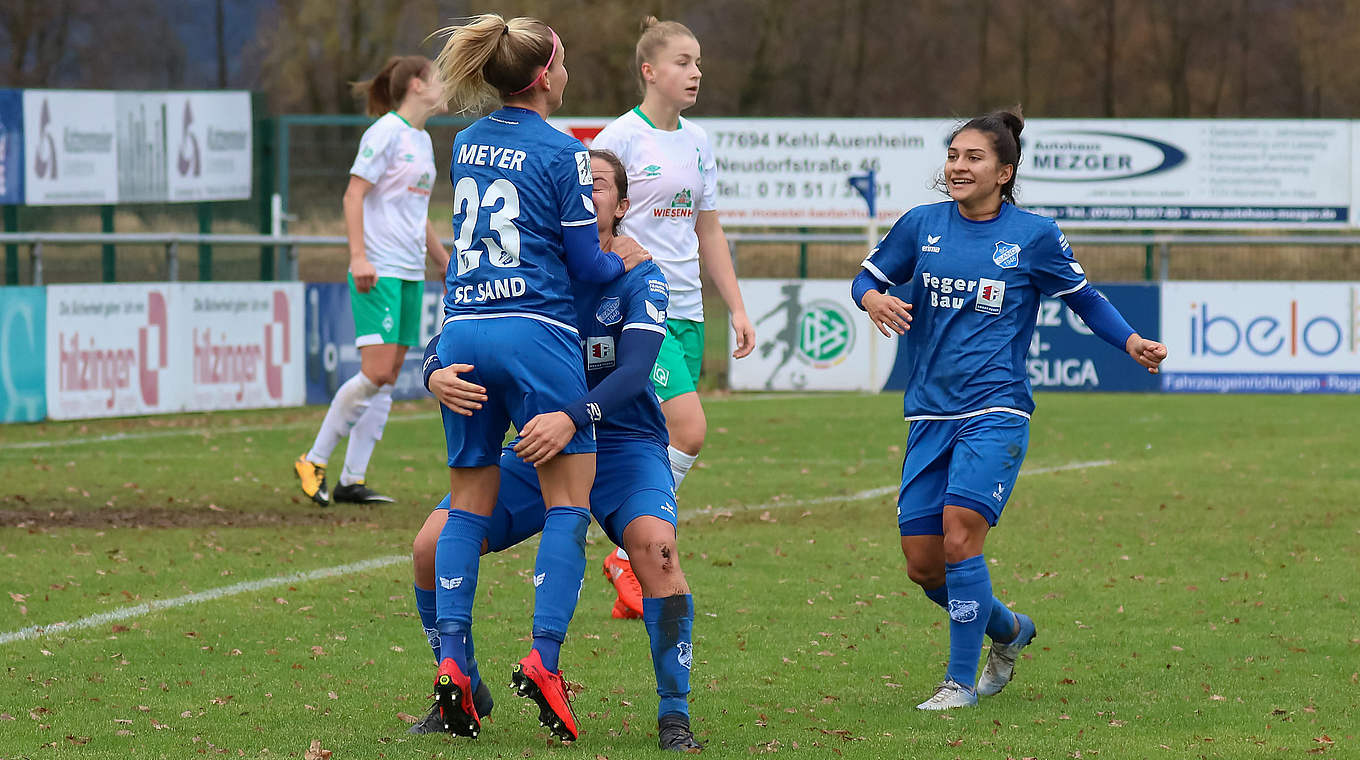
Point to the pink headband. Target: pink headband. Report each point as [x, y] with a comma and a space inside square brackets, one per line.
[546, 66]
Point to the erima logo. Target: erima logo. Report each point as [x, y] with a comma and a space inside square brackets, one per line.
[593, 409]
[963, 612]
[538, 579]
[931, 244]
[658, 315]
[1000, 492]
[668, 508]
[450, 583]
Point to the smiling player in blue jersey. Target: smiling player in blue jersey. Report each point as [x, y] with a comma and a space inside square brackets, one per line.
[974, 270]
[622, 325]
[524, 229]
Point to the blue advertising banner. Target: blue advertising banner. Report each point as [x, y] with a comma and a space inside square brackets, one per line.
[11, 147]
[23, 334]
[1064, 355]
[332, 357]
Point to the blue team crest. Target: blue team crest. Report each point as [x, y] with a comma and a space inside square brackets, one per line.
[1006, 255]
[609, 311]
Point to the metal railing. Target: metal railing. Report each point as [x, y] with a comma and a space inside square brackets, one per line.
[1158, 245]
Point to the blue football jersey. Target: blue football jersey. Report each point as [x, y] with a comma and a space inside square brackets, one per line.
[635, 301]
[516, 183]
[975, 289]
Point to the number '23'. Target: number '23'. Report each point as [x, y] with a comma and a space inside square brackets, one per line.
[505, 253]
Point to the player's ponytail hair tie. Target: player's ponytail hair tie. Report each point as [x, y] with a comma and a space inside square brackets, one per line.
[546, 66]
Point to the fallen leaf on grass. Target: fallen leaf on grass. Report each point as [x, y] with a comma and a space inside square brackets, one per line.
[405, 718]
[315, 752]
[318, 652]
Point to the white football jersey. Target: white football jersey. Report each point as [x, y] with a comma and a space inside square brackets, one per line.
[672, 176]
[399, 160]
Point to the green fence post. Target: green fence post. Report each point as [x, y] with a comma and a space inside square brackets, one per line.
[109, 254]
[1149, 258]
[11, 249]
[802, 255]
[204, 250]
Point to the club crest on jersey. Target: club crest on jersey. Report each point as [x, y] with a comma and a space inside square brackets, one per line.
[608, 312]
[1006, 255]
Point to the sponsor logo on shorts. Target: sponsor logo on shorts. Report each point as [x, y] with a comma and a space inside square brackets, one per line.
[668, 508]
[963, 612]
[1006, 255]
[388, 323]
[1000, 492]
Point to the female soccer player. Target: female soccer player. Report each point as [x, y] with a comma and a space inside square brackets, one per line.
[974, 270]
[525, 222]
[387, 222]
[674, 185]
[633, 496]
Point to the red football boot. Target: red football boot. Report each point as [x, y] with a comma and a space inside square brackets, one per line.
[530, 679]
[453, 696]
[619, 571]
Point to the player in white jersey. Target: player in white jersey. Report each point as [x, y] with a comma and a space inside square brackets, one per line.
[672, 176]
[969, 275]
[387, 223]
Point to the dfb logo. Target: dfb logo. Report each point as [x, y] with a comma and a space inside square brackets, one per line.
[149, 367]
[276, 355]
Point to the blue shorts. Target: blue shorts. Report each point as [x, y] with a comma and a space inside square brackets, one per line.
[527, 367]
[971, 462]
[632, 480]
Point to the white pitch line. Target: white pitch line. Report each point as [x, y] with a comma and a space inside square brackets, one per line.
[200, 432]
[872, 493]
[103, 618]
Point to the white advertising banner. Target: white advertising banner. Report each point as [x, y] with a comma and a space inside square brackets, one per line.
[810, 338]
[70, 147]
[1267, 337]
[1110, 173]
[209, 145]
[117, 350]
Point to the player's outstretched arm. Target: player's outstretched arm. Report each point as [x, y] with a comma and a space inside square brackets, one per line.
[1109, 325]
[1148, 353]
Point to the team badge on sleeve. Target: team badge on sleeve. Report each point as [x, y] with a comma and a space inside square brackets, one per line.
[1006, 255]
[583, 168]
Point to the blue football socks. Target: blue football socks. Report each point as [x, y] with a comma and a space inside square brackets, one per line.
[970, 604]
[558, 572]
[425, 606]
[1000, 624]
[457, 556]
[670, 626]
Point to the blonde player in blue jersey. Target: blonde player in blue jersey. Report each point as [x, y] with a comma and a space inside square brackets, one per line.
[525, 227]
[972, 271]
[633, 499]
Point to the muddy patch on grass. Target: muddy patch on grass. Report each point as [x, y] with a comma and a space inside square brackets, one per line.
[190, 517]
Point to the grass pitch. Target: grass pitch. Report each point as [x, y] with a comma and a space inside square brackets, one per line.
[1191, 576]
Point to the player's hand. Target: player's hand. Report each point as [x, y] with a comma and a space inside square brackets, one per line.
[459, 395]
[746, 335]
[365, 276]
[544, 437]
[887, 312]
[1148, 353]
[630, 251]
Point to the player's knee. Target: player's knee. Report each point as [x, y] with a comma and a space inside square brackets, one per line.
[689, 437]
[661, 555]
[384, 377]
[926, 577]
[959, 545]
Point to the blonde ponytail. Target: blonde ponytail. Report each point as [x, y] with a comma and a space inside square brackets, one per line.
[490, 58]
[653, 37]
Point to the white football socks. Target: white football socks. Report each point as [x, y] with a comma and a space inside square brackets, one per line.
[365, 435]
[349, 404]
[680, 464]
